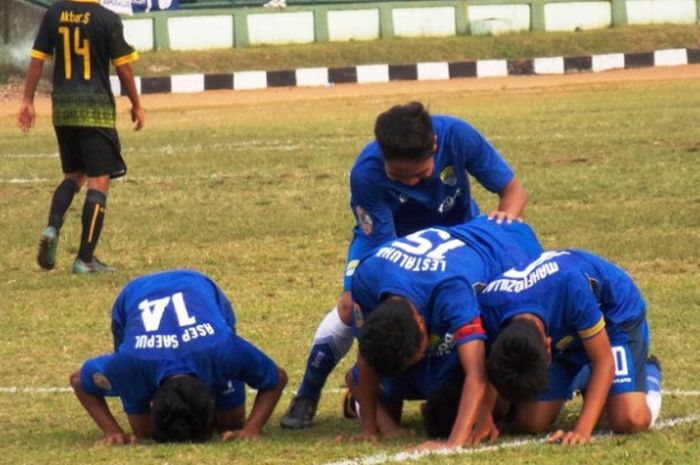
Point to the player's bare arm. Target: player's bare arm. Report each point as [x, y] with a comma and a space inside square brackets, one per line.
[602, 371]
[265, 402]
[471, 356]
[126, 78]
[26, 115]
[513, 199]
[97, 408]
[368, 396]
[485, 428]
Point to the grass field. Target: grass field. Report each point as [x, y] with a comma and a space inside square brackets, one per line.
[253, 191]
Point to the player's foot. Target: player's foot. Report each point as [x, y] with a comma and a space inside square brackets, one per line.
[93, 266]
[47, 248]
[654, 374]
[300, 414]
[349, 405]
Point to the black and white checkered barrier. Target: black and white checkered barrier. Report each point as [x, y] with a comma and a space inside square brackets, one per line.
[319, 77]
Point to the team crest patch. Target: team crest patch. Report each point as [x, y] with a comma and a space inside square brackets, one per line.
[365, 220]
[448, 177]
[350, 268]
[101, 381]
[359, 318]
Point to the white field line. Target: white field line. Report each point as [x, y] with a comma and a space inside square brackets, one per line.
[289, 392]
[379, 459]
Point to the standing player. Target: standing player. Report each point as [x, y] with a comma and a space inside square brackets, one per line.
[83, 37]
[418, 317]
[551, 318]
[413, 176]
[178, 366]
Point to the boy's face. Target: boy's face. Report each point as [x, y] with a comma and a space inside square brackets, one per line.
[410, 172]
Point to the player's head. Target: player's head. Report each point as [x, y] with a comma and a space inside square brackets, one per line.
[440, 409]
[405, 136]
[518, 363]
[183, 411]
[393, 337]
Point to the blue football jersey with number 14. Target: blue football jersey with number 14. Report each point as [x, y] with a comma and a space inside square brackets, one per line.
[174, 312]
[176, 323]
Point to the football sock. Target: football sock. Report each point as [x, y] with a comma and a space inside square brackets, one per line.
[60, 202]
[654, 378]
[332, 341]
[93, 217]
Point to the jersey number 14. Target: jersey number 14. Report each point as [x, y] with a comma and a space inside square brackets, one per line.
[81, 48]
[152, 311]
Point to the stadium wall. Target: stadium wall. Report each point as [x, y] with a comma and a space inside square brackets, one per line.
[240, 27]
[188, 29]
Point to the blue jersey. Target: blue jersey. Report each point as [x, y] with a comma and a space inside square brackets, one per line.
[439, 270]
[575, 293]
[386, 209]
[170, 323]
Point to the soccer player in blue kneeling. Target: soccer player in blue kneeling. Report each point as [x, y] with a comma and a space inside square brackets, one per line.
[567, 310]
[418, 321]
[415, 175]
[179, 366]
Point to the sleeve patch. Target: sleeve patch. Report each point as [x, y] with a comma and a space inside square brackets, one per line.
[593, 330]
[364, 220]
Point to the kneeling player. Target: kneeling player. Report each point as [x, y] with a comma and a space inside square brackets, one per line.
[417, 316]
[550, 319]
[179, 367]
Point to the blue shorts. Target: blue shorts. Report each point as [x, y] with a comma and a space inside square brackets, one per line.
[630, 346]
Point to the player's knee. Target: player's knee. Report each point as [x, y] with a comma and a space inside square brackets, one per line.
[630, 420]
[78, 178]
[344, 308]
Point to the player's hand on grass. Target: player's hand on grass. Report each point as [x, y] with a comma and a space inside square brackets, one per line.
[364, 437]
[26, 116]
[138, 116]
[398, 432]
[116, 439]
[240, 434]
[500, 216]
[569, 437]
[431, 445]
[485, 428]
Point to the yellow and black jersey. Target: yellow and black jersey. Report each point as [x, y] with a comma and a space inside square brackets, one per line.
[83, 37]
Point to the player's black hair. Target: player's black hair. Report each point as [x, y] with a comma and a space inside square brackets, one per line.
[405, 132]
[183, 411]
[441, 407]
[389, 337]
[518, 363]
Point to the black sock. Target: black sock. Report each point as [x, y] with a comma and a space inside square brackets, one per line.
[61, 200]
[93, 217]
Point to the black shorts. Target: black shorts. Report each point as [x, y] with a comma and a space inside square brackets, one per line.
[94, 151]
